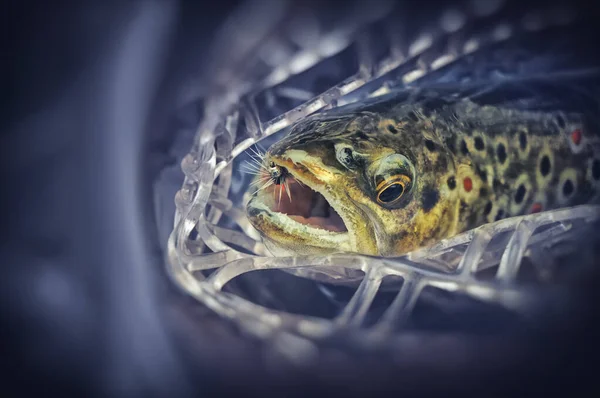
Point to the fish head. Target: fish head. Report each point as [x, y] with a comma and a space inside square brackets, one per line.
[358, 182]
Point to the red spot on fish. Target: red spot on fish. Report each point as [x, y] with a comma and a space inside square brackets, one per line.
[576, 137]
[468, 184]
[536, 208]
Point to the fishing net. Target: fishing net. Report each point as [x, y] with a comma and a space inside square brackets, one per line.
[284, 62]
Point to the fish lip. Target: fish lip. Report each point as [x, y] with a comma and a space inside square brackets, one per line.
[256, 207]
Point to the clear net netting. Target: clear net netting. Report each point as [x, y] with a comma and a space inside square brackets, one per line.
[284, 62]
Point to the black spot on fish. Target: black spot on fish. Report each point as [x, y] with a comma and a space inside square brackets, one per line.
[430, 198]
[400, 235]
[520, 194]
[501, 153]
[497, 184]
[364, 122]
[512, 172]
[463, 148]
[523, 140]
[568, 188]
[451, 182]
[561, 121]
[545, 166]
[361, 136]
[451, 145]
[463, 206]
[596, 169]
[488, 209]
[483, 192]
[430, 145]
[442, 162]
[482, 173]
[479, 145]
[392, 129]
[499, 215]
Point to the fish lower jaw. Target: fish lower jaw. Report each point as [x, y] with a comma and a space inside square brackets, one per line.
[285, 231]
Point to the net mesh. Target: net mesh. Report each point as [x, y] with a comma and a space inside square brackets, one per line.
[259, 87]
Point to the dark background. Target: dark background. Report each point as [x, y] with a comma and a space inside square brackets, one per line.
[85, 306]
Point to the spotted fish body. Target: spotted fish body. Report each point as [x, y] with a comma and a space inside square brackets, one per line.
[465, 162]
[492, 163]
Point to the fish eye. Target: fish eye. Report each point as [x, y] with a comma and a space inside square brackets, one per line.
[390, 190]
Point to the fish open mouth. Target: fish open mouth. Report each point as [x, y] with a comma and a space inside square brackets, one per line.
[302, 204]
[295, 214]
[306, 206]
